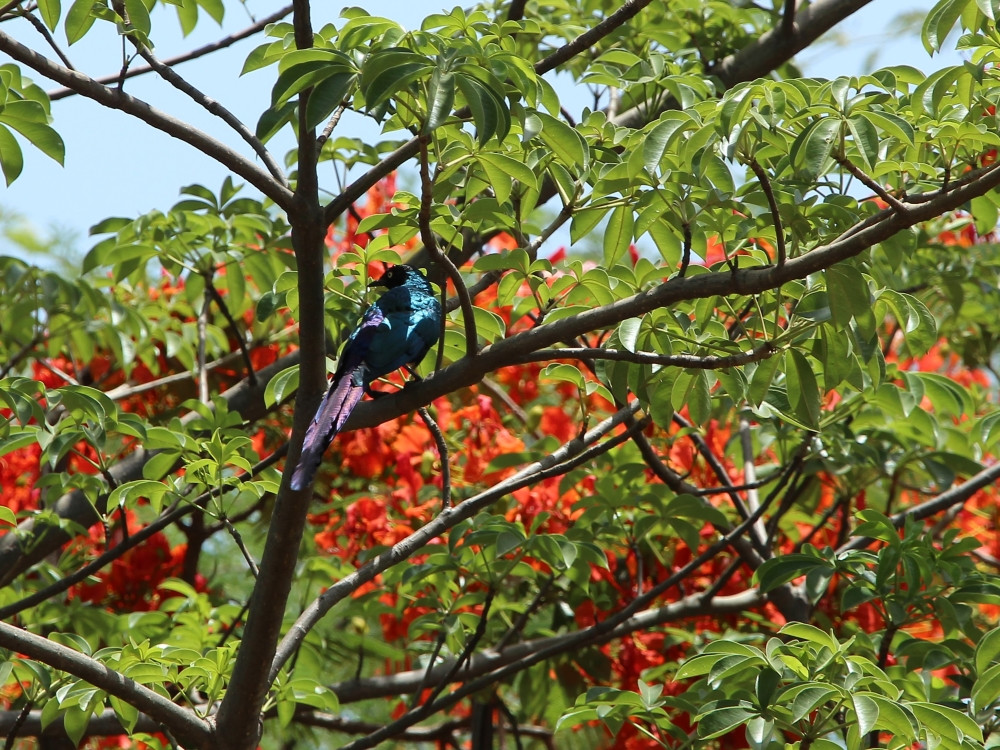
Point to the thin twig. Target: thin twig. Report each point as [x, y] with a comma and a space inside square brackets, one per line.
[44, 31]
[237, 331]
[213, 107]
[18, 723]
[330, 125]
[427, 235]
[788, 18]
[194, 54]
[765, 185]
[589, 38]
[897, 205]
[442, 448]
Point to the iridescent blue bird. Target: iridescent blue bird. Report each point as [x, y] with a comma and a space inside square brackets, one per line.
[396, 331]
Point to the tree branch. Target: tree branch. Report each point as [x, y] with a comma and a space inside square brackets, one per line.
[954, 496]
[427, 235]
[238, 718]
[687, 361]
[214, 107]
[742, 281]
[194, 54]
[182, 722]
[765, 184]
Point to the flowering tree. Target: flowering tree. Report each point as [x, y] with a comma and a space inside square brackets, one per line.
[725, 481]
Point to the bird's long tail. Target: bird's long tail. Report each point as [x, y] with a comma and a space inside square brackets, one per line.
[336, 407]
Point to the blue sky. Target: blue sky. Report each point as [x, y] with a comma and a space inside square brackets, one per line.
[116, 166]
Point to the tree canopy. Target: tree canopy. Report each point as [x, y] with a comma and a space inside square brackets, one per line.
[717, 472]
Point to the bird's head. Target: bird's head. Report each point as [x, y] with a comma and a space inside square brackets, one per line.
[399, 275]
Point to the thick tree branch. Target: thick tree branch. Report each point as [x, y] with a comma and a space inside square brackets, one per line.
[103, 724]
[687, 361]
[766, 53]
[115, 98]
[182, 722]
[591, 36]
[238, 718]
[738, 281]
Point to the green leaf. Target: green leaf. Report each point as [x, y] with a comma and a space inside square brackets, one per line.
[50, 10]
[138, 16]
[11, 158]
[988, 650]
[803, 389]
[780, 570]
[990, 8]
[866, 138]
[489, 113]
[79, 19]
[327, 95]
[440, 100]
[390, 71]
[866, 712]
[41, 136]
[655, 143]
[811, 150]
[939, 22]
[618, 234]
[848, 294]
[567, 144]
[946, 722]
[893, 718]
[518, 170]
[720, 721]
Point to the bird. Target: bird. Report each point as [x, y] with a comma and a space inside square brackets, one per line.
[396, 331]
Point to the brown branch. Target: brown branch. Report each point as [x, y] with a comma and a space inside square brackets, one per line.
[591, 36]
[217, 298]
[442, 448]
[868, 182]
[194, 54]
[44, 31]
[788, 18]
[687, 361]
[576, 451]
[427, 236]
[182, 722]
[213, 107]
[765, 184]
[947, 499]
[238, 718]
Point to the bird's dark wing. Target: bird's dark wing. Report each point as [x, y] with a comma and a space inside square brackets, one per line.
[346, 388]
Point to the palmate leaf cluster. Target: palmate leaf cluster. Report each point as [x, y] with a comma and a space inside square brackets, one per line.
[724, 480]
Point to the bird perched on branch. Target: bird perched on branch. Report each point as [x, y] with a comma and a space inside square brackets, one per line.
[396, 331]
